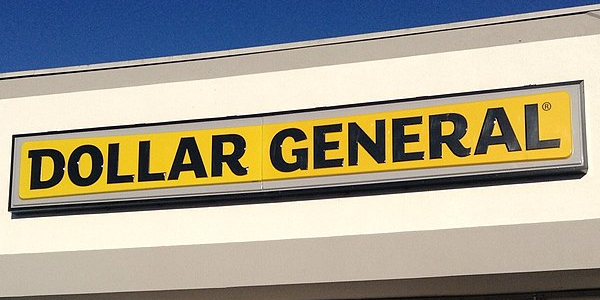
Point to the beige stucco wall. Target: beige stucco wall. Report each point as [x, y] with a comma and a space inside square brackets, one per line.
[470, 70]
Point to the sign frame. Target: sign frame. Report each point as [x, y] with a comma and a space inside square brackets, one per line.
[308, 187]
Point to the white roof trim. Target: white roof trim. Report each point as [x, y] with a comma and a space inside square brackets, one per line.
[594, 10]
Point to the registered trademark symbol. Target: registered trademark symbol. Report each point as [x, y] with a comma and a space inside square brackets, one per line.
[546, 106]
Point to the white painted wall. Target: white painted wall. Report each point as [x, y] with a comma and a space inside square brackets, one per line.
[461, 71]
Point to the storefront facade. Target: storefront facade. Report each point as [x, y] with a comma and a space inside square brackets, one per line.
[502, 231]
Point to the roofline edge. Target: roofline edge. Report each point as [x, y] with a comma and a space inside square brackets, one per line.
[305, 44]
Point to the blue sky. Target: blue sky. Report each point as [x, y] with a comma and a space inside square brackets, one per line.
[38, 34]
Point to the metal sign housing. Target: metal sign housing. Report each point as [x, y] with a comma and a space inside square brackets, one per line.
[534, 129]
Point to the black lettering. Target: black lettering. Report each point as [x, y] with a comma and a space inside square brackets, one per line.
[356, 136]
[532, 130]
[113, 166]
[436, 139]
[187, 145]
[233, 159]
[144, 164]
[400, 138]
[275, 152]
[321, 146]
[73, 165]
[507, 137]
[58, 161]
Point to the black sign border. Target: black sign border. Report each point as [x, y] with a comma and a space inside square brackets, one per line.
[306, 193]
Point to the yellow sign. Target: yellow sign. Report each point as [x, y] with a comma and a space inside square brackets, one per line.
[532, 127]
